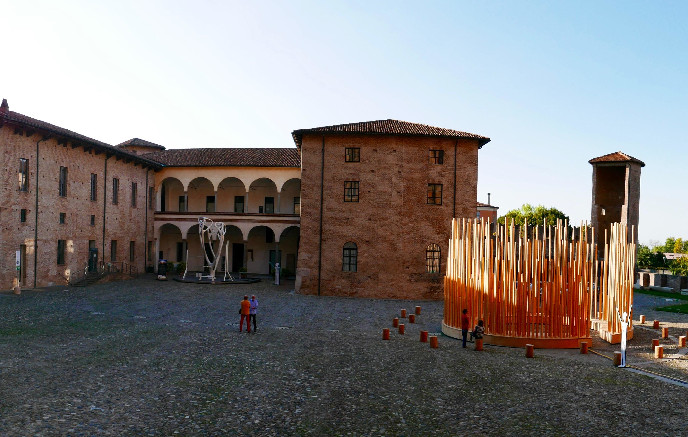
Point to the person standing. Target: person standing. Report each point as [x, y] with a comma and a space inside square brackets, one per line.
[253, 311]
[465, 323]
[245, 311]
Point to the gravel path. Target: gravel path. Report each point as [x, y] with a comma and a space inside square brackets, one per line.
[144, 357]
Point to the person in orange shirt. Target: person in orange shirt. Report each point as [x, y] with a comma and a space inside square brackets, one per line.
[245, 310]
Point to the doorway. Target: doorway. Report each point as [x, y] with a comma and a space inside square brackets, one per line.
[237, 256]
[275, 257]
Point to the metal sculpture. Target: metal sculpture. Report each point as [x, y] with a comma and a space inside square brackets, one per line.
[213, 231]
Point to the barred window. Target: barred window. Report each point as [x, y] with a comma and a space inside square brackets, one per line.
[23, 174]
[115, 191]
[437, 157]
[61, 244]
[432, 258]
[350, 257]
[352, 154]
[151, 197]
[94, 186]
[133, 194]
[113, 250]
[132, 251]
[351, 191]
[63, 182]
[434, 194]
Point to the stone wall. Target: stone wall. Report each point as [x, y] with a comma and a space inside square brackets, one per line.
[392, 224]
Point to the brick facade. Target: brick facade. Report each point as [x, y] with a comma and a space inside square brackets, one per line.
[392, 224]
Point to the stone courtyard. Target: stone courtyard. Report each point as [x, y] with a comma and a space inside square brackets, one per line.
[143, 357]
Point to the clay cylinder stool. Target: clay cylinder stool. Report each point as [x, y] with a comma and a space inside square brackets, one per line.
[584, 347]
[655, 342]
[434, 343]
[403, 314]
[682, 341]
[412, 318]
[617, 358]
[478, 344]
[655, 324]
[423, 336]
[665, 332]
[530, 351]
[659, 351]
[385, 334]
[395, 322]
[417, 310]
[402, 328]
[642, 319]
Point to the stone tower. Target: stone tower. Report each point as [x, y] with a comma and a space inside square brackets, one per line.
[615, 193]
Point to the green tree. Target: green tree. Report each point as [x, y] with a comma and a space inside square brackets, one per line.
[678, 246]
[679, 266]
[536, 215]
[650, 259]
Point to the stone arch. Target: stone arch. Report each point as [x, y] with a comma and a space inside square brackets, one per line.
[169, 238]
[168, 194]
[289, 245]
[263, 196]
[229, 191]
[201, 195]
[290, 196]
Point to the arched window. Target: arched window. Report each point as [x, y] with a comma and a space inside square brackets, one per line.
[350, 257]
[432, 258]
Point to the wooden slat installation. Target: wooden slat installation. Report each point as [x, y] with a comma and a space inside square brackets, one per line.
[523, 283]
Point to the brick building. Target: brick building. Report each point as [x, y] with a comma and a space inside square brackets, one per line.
[377, 202]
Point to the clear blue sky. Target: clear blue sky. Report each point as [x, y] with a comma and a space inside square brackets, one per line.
[554, 84]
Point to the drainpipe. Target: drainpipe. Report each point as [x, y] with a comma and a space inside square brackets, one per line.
[104, 205]
[35, 229]
[322, 182]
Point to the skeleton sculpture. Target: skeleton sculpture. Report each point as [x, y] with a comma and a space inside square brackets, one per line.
[213, 231]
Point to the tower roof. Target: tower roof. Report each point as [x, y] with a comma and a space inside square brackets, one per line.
[616, 157]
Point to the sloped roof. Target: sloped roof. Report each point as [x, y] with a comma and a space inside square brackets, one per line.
[7, 116]
[388, 127]
[228, 157]
[616, 157]
[141, 143]
[485, 205]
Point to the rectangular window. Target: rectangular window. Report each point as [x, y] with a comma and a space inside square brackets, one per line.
[115, 191]
[93, 220]
[210, 204]
[297, 205]
[132, 251]
[61, 244]
[150, 252]
[434, 194]
[182, 203]
[269, 205]
[23, 174]
[238, 203]
[350, 258]
[437, 157]
[151, 197]
[133, 194]
[352, 154]
[351, 191]
[180, 251]
[63, 218]
[113, 250]
[94, 186]
[22, 216]
[63, 182]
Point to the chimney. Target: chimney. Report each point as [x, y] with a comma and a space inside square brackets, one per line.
[4, 108]
[488, 198]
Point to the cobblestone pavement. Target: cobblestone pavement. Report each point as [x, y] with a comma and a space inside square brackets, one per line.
[143, 357]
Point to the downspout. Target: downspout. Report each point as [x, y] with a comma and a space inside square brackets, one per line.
[145, 231]
[322, 182]
[455, 149]
[104, 204]
[35, 229]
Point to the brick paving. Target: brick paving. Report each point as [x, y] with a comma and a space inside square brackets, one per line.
[143, 357]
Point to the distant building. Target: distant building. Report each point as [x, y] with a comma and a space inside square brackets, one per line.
[487, 211]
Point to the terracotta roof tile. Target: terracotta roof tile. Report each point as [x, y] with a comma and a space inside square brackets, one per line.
[28, 122]
[388, 127]
[228, 157]
[617, 157]
[141, 143]
[485, 205]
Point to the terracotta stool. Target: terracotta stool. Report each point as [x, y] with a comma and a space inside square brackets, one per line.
[412, 318]
[682, 341]
[659, 351]
[395, 322]
[402, 328]
[478, 344]
[424, 336]
[655, 324]
[665, 332]
[530, 351]
[385, 334]
[642, 319]
[584, 347]
[433, 342]
[403, 314]
[417, 310]
[617, 358]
